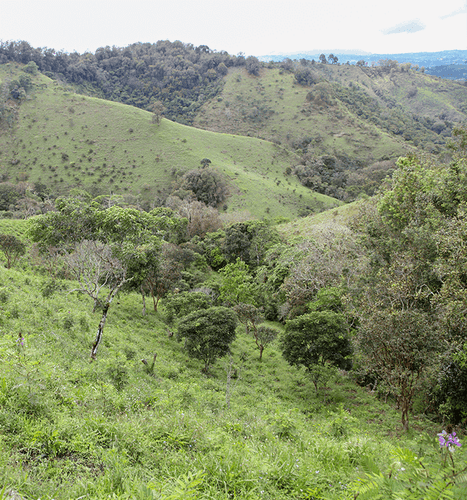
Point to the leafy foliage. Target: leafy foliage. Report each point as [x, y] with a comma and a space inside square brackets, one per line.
[207, 186]
[177, 305]
[208, 333]
[317, 338]
[12, 247]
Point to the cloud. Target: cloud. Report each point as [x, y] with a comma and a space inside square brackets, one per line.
[407, 27]
[455, 13]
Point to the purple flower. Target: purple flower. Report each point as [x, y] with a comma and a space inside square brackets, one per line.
[448, 440]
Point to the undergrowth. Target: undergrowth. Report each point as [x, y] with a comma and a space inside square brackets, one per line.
[73, 429]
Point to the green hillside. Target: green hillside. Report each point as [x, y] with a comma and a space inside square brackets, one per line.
[65, 140]
[368, 114]
[117, 429]
[274, 107]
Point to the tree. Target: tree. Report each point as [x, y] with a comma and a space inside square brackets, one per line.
[12, 247]
[157, 109]
[31, 68]
[207, 185]
[249, 241]
[250, 316]
[208, 333]
[92, 264]
[237, 284]
[287, 64]
[163, 273]
[333, 255]
[398, 346]
[9, 196]
[322, 59]
[252, 65]
[177, 305]
[99, 245]
[201, 218]
[304, 76]
[315, 340]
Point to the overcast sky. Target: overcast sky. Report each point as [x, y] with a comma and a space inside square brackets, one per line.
[254, 27]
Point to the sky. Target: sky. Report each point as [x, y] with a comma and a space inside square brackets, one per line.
[253, 27]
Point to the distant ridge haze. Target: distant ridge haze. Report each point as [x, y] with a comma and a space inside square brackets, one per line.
[427, 59]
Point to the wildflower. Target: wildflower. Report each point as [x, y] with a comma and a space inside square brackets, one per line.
[448, 440]
[20, 341]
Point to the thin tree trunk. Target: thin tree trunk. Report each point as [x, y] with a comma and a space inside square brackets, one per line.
[144, 301]
[156, 302]
[105, 310]
[100, 330]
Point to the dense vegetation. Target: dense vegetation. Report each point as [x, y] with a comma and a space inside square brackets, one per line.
[376, 304]
[179, 75]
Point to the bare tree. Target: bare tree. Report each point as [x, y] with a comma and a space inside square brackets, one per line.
[92, 264]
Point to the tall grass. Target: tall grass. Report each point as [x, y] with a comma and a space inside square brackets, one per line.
[112, 429]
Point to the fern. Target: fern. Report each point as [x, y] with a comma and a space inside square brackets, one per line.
[185, 488]
[409, 479]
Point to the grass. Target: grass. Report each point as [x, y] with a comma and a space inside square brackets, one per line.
[66, 140]
[274, 107]
[301, 229]
[113, 429]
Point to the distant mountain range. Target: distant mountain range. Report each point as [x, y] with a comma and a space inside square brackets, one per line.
[427, 59]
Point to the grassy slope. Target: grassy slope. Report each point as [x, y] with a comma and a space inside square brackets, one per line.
[71, 429]
[118, 149]
[272, 106]
[435, 96]
[304, 228]
[283, 111]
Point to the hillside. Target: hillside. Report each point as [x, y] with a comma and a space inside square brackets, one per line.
[348, 123]
[64, 140]
[367, 114]
[117, 428]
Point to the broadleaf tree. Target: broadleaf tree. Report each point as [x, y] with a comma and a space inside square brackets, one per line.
[208, 333]
[316, 340]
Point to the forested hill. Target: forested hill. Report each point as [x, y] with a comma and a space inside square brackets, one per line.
[180, 75]
[346, 123]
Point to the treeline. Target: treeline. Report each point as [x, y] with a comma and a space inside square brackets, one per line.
[179, 75]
